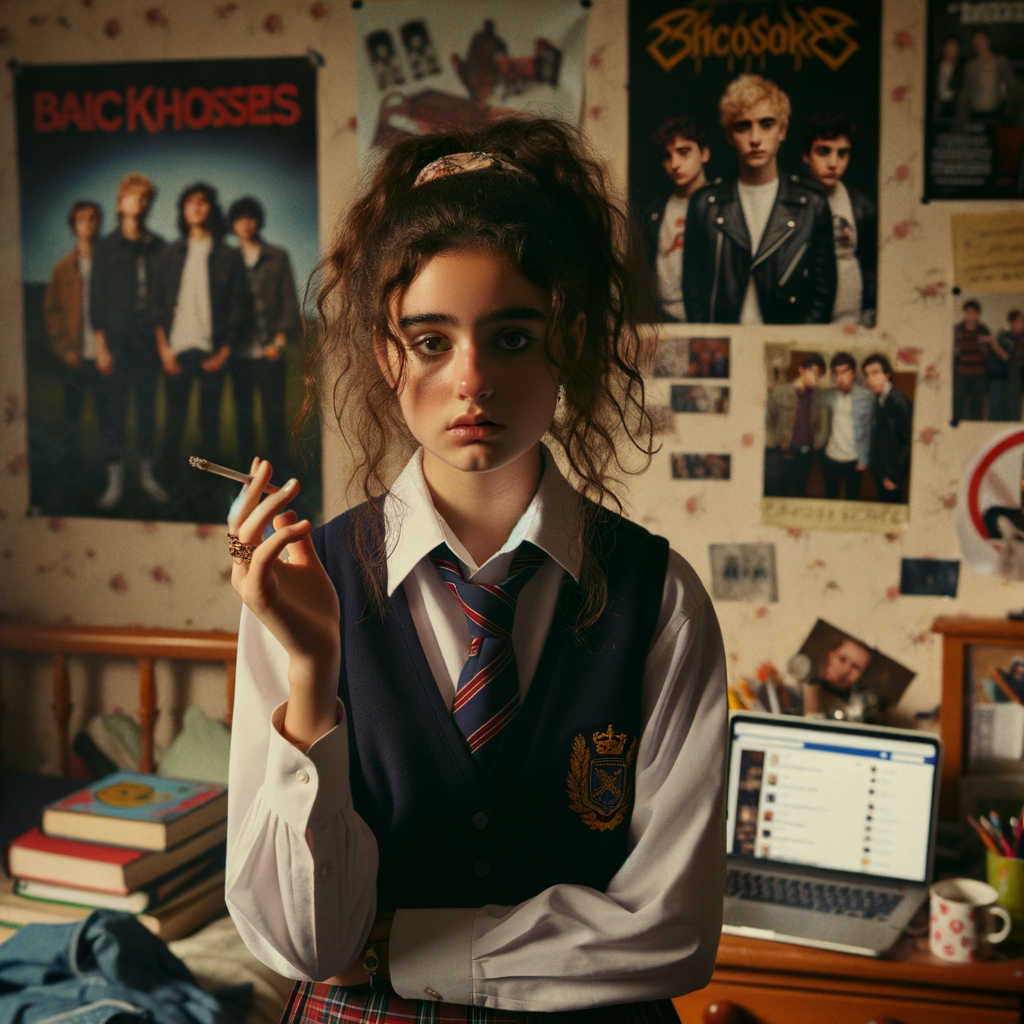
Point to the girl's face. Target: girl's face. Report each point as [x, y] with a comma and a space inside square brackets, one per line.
[479, 391]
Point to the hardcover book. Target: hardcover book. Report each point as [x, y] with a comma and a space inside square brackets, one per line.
[145, 812]
[101, 866]
[173, 919]
[152, 895]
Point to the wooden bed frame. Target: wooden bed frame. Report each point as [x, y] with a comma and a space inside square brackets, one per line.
[144, 645]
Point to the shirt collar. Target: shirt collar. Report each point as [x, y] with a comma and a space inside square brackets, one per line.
[413, 528]
[884, 393]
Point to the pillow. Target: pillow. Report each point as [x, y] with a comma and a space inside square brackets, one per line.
[199, 751]
[119, 737]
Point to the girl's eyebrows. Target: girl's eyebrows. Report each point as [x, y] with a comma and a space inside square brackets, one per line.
[513, 313]
[440, 319]
[495, 316]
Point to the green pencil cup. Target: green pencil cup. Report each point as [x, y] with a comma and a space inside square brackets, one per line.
[1006, 876]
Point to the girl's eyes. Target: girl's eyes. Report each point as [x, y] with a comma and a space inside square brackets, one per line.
[433, 345]
[513, 341]
[507, 341]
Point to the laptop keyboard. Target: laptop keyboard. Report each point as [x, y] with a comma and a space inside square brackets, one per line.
[827, 898]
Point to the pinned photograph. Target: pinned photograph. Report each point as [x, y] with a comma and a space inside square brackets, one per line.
[691, 466]
[936, 577]
[743, 572]
[973, 138]
[838, 438]
[692, 357]
[700, 398]
[848, 678]
[424, 67]
[702, 78]
[988, 357]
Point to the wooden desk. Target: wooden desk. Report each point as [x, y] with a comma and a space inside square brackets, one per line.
[779, 983]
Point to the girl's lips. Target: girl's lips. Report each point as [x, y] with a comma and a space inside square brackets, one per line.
[475, 431]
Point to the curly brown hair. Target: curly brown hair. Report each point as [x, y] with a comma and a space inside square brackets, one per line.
[564, 234]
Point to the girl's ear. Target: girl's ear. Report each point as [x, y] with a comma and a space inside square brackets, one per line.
[577, 333]
[387, 358]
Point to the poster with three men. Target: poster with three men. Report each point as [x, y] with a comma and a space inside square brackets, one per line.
[753, 158]
[168, 227]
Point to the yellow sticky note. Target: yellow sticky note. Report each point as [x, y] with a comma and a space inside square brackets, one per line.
[988, 251]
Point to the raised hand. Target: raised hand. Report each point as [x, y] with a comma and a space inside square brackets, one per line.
[294, 599]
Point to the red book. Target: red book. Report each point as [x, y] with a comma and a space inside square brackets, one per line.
[98, 866]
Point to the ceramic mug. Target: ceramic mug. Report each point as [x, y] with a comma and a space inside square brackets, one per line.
[960, 926]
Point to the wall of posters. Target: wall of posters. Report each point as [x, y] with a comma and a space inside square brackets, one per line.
[423, 65]
[974, 114]
[825, 62]
[139, 352]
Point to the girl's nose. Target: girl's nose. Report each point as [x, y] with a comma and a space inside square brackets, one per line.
[473, 381]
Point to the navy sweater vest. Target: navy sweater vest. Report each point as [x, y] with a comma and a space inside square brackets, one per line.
[556, 804]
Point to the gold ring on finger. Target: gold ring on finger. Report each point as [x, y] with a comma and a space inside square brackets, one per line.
[240, 552]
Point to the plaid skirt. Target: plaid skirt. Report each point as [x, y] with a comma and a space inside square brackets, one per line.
[313, 1003]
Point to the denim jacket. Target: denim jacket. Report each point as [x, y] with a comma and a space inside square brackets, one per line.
[107, 967]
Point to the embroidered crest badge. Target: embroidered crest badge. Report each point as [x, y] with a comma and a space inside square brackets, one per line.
[600, 786]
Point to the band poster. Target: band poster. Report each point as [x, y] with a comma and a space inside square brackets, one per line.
[168, 226]
[838, 438]
[699, 75]
[423, 66]
[974, 114]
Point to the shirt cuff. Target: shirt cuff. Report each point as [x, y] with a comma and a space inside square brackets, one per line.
[432, 954]
[305, 789]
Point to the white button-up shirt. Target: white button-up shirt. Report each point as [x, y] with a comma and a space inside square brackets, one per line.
[302, 864]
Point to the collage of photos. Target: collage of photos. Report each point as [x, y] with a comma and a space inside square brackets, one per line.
[161, 290]
[753, 165]
[838, 425]
[693, 360]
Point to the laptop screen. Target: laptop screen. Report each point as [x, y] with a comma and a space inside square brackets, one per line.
[845, 799]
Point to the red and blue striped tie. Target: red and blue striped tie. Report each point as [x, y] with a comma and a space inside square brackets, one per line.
[487, 695]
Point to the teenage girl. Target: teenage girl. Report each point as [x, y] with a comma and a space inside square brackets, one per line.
[497, 789]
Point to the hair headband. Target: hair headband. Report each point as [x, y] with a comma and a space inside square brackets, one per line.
[459, 163]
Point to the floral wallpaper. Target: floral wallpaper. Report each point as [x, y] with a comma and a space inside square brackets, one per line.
[172, 575]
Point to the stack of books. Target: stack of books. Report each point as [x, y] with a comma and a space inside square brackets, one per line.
[144, 844]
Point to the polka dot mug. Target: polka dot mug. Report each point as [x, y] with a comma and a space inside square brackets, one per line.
[961, 926]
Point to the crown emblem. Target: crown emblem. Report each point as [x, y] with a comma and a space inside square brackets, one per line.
[610, 742]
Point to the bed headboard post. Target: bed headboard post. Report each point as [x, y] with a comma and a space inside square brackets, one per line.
[147, 712]
[61, 708]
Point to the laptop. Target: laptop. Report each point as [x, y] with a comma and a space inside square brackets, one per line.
[830, 830]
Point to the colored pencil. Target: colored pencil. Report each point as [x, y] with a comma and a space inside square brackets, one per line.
[985, 837]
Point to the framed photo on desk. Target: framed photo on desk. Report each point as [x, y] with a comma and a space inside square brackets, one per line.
[982, 713]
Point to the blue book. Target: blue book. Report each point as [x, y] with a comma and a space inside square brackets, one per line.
[144, 812]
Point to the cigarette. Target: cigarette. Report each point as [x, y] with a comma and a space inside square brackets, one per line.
[231, 474]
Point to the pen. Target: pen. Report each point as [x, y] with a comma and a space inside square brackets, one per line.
[990, 824]
[1000, 835]
[231, 474]
[985, 837]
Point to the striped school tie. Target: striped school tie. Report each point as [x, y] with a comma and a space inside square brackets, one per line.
[487, 695]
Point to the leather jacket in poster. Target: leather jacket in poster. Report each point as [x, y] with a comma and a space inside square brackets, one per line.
[794, 268]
